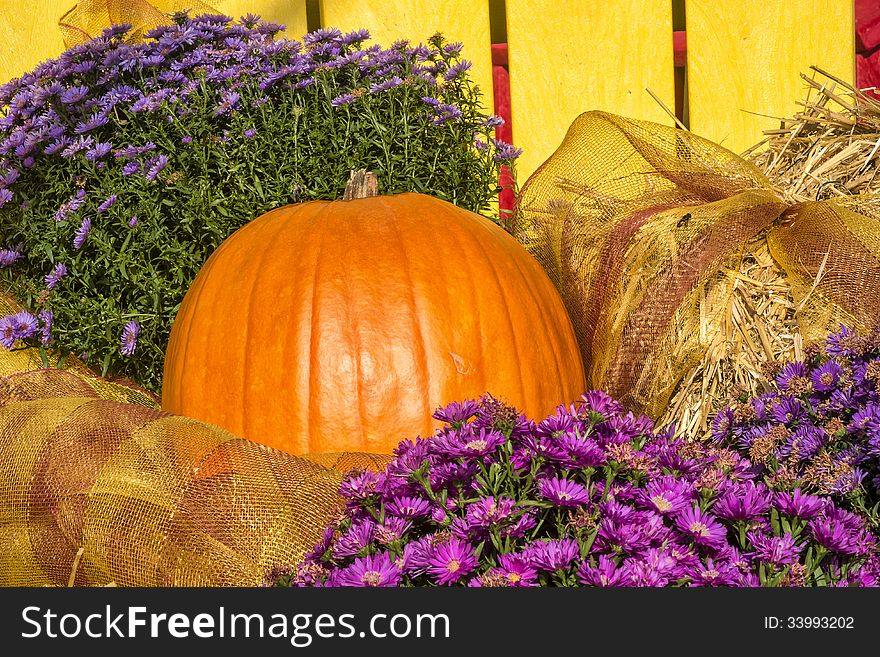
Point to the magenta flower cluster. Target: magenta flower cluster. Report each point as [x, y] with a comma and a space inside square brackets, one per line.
[589, 496]
[820, 427]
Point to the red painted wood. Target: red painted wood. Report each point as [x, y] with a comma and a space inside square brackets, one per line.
[501, 88]
[867, 25]
[679, 48]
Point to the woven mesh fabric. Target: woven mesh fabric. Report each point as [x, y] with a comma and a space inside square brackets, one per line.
[95, 491]
[88, 18]
[641, 227]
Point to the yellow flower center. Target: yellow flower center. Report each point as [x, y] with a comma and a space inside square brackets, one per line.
[661, 503]
[371, 578]
[478, 444]
[453, 566]
[699, 529]
[513, 577]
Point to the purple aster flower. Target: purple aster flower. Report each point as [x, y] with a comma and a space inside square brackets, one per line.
[788, 410]
[451, 561]
[795, 370]
[46, 317]
[778, 550]
[70, 205]
[641, 531]
[526, 522]
[354, 38]
[77, 145]
[838, 530]
[228, 102]
[474, 444]
[250, 133]
[74, 95]
[107, 204]
[132, 152]
[803, 443]
[606, 572]
[407, 506]
[386, 85]
[645, 574]
[358, 536]
[8, 257]
[666, 495]
[714, 573]
[416, 555]
[457, 413]
[5, 197]
[155, 166]
[457, 70]
[84, 229]
[25, 324]
[702, 527]
[743, 501]
[866, 419]
[58, 272]
[552, 555]
[7, 332]
[186, 139]
[845, 343]
[516, 571]
[563, 492]
[358, 486]
[372, 570]
[94, 122]
[445, 113]
[827, 376]
[505, 152]
[489, 511]
[131, 168]
[98, 151]
[721, 425]
[392, 529]
[799, 504]
[545, 447]
[581, 452]
[323, 35]
[9, 179]
[129, 340]
[343, 100]
[133, 222]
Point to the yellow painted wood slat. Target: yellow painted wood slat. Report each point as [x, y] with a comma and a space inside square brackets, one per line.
[749, 54]
[570, 56]
[29, 37]
[291, 13]
[466, 21]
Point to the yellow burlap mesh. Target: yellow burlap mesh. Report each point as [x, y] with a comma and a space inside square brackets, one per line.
[643, 227]
[88, 18]
[95, 491]
[23, 359]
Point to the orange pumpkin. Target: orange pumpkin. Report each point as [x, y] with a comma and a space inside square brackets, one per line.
[336, 326]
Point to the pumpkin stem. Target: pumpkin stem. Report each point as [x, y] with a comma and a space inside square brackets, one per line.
[361, 184]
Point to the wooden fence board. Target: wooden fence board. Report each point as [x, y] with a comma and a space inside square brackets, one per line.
[748, 55]
[570, 56]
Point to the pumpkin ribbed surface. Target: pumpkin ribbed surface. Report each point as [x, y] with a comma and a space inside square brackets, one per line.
[343, 325]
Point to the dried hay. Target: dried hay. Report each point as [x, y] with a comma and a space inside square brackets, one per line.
[830, 148]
